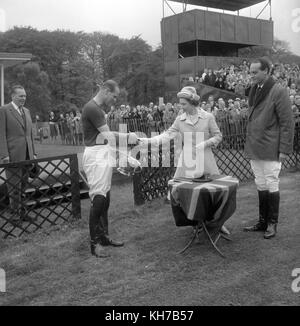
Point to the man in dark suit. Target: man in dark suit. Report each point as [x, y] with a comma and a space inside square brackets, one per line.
[269, 141]
[16, 144]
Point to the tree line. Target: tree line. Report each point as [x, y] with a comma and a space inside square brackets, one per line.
[67, 67]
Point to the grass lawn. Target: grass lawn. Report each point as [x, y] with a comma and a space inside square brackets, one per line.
[54, 267]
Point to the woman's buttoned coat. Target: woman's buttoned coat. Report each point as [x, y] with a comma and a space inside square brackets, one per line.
[203, 129]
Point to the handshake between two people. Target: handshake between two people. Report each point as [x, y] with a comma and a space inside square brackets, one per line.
[129, 162]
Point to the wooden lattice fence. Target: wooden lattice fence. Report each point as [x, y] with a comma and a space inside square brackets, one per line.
[152, 182]
[50, 198]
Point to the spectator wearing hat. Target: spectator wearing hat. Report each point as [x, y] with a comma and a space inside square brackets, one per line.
[269, 141]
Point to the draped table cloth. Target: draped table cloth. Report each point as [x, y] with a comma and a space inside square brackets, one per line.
[204, 204]
[212, 202]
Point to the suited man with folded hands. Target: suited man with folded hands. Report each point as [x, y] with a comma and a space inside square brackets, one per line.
[16, 144]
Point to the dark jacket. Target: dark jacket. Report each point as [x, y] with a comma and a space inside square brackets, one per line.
[210, 79]
[271, 125]
[15, 136]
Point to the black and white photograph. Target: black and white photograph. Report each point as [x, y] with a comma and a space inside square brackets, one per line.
[149, 155]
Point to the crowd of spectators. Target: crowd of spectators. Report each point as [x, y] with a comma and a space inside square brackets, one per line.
[168, 112]
[231, 115]
[237, 78]
[149, 118]
[66, 126]
[228, 113]
[151, 113]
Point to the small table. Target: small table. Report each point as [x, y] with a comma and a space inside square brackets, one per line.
[206, 205]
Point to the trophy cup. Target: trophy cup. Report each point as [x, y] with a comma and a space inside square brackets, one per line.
[128, 165]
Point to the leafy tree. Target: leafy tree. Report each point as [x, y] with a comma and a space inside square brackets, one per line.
[49, 49]
[126, 56]
[76, 63]
[146, 81]
[280, 52]
[281, 46]
[36, 84]
[76, 84]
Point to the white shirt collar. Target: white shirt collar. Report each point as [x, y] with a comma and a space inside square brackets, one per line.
[15, 106]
